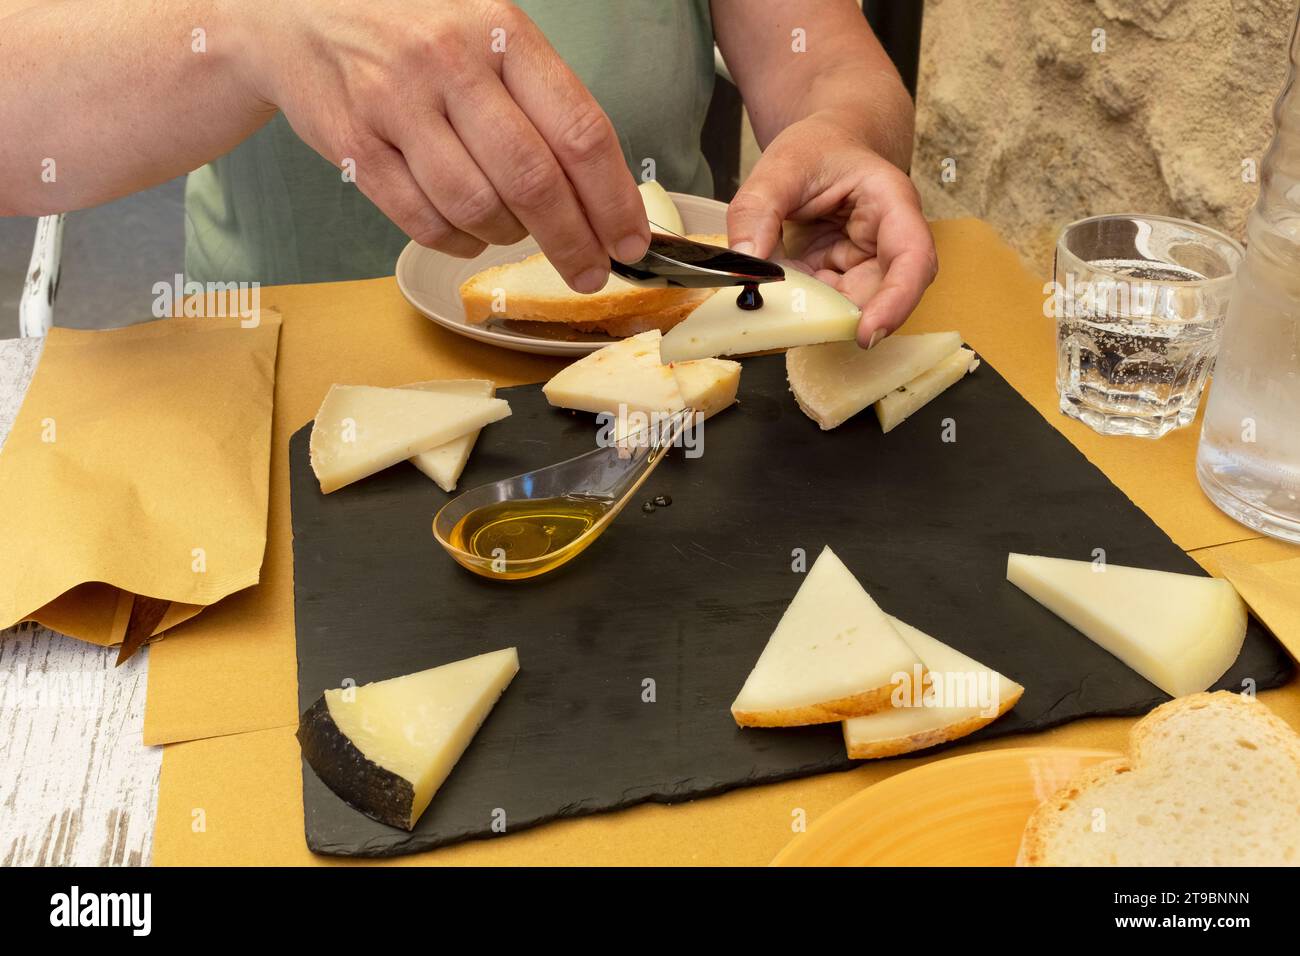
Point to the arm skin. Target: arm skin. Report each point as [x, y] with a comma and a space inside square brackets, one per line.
[464, 124]
[835, 124]
[168, 109]
[845, 72]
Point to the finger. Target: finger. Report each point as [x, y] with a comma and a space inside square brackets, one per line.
[862, 282]
[755, 214]
[583, 140]
[453, 182]
[838, 253]
[527, 176]
[908, 274]
[386, 180]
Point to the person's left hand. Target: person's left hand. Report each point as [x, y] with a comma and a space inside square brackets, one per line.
[863, 230]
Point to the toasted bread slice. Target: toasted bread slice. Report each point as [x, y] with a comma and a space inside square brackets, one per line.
[532, 291]
[1211, 780]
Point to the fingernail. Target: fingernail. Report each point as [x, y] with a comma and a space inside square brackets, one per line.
[876, 336]
[744, 247]
[630, 248]
[593, 280]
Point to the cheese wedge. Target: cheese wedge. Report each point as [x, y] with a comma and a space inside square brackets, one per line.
[626, 375]
[958, 696]
[834, 382]
[660, 209]
[1180, 631]
[360, 429]
[799, 310]
[833, 655]
[920, 391]
[707, 385]
[444, 463]
[387, 747]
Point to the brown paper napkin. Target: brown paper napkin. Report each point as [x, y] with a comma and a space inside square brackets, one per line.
[133, 486]
[1273, 592]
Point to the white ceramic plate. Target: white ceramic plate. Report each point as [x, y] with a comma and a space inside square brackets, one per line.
[431, 282]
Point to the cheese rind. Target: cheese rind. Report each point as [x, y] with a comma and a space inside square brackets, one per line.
[660, 208]
[895, 407]
[1180, 631]
[627, 374]
[834, 382]
[387, 747]
[833, 655]
[444, 463]
[958, 696]
[707, 385]
[799, 310]
[360, 429]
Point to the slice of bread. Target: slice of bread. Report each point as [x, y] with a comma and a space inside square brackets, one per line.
[1211, 780]
[532, 291]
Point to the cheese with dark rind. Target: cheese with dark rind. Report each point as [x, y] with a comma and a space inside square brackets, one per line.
[362, 783]
[386, 747]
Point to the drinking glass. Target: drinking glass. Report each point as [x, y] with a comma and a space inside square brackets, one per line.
[1139, 303]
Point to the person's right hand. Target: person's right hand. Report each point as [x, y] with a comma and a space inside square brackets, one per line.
[465, 125]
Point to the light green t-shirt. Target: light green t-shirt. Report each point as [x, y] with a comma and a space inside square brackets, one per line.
[274, 211]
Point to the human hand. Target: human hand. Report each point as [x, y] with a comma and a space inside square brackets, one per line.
[862, 232]
[465, 126]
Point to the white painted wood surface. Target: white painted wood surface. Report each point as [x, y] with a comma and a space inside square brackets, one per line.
[77, 784]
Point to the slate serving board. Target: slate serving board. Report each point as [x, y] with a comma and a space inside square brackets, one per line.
[687, 596]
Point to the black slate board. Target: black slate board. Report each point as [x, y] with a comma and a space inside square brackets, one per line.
[688, 595]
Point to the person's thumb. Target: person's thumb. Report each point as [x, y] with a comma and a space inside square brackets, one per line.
[761, 205]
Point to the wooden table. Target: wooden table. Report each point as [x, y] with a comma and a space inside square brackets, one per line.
[84, 789]
[78, 786]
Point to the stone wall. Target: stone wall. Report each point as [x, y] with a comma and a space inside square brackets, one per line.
[1046, 111]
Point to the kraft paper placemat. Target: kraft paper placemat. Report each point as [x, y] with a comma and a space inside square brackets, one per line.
[234, 671]
[137, 466]
[1273, 593]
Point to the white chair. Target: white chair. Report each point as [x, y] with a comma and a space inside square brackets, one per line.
[36, 307]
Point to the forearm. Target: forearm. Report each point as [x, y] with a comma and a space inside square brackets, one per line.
[841, 71]
[99, 98]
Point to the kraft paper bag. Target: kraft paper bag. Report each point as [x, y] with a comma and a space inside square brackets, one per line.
[133, 486]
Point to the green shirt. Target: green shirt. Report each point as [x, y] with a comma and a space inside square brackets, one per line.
[274, 211]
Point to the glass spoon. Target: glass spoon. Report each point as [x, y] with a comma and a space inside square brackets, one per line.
[532, 523]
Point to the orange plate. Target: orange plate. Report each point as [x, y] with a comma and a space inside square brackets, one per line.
[963, 811]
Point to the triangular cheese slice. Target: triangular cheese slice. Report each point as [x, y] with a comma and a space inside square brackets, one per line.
[360, 429]
[387, 747]
[1180, 631]
[445, 462]
[834, 382]
[833, 655]
[707, 385]
[626, 375]
[958, 696]
[895, 407]
[799, 310]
